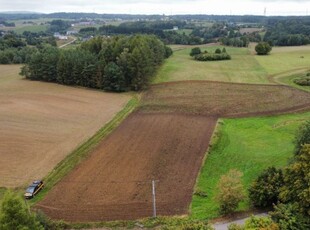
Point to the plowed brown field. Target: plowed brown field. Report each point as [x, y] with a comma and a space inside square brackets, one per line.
[165, 140]
[224, 99]
[115, 181]
[40, 123]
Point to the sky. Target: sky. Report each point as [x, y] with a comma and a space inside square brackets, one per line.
[168, 7]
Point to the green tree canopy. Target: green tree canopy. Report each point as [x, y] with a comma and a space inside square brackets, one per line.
[263, 48]
[15, 215]
[265, 190]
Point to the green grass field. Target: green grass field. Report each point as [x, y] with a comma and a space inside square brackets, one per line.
[249, 145]
[242, 68]
[31, 28]
[245, 66]
[282, 59]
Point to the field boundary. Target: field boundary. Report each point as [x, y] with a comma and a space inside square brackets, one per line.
[83, 151]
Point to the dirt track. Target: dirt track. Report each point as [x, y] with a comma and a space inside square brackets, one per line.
[40, 123]
[115, 182]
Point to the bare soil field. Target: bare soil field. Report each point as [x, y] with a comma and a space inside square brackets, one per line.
[40, 123]
[114, 183]
[219, 99]
[250, 30]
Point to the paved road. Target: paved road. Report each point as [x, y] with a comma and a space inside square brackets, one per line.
[224, 225]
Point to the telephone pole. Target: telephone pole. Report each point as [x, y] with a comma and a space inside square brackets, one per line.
[154, 198]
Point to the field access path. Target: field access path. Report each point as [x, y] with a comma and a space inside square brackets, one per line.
[165, 139]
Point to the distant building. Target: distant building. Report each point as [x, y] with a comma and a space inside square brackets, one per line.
[60, 37]
[72, 32]
[175, 28]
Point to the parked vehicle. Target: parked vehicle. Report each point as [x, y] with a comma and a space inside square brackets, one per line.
[33, 189]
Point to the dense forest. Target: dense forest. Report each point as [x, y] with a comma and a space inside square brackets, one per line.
[119, 64]
[288, 31]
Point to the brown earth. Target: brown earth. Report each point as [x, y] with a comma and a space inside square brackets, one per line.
[114, 183]
[165, 140]
[224, 99]
[40, 123]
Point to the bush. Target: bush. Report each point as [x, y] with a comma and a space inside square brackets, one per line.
[263, 48]
[265, 190]
[218, 51]
[304, 81]
[212, 57]
[288, 217]
[195, 51]
[265, 223]
[230, 191]
[302, 137]
[254, 222]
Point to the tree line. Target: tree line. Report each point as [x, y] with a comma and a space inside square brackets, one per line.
[17, 49]
[120, 63]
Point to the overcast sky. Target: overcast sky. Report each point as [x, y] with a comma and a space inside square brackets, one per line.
[240, 7]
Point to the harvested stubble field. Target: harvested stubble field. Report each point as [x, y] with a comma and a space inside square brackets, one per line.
[40, 123]
[221, 99]
[165, 140]
[114, 183]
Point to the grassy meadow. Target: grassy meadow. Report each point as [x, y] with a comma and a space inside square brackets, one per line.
[242, 68]
[245, 66]
[285, 59]
[249, 145]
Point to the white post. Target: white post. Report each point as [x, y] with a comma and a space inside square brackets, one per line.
[154, 198]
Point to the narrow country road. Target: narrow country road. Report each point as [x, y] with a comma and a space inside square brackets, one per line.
[64, 45]
[224, 225]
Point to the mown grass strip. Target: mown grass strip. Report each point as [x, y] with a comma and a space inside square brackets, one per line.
[80, 153]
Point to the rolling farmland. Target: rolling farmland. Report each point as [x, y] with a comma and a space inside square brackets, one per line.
[41, 123]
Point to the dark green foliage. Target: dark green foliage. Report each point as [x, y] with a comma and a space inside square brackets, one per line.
[224, 50]
[296, 182]
[263, 48]
[265, 190]
[168, 52]
[302, 137]
[15, 215]
[303, 81]
[288, 217]
[195, 51]
[218, 51]
[71, 65]
[288, 31]
[236, 42]
[42, 65]
[212, 57]
[115, 64]
[59, 26]
[114, 78]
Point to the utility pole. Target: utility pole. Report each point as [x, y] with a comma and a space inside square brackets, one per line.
[154, 198]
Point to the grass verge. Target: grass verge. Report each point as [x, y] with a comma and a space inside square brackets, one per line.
[79, 154]
[249, 145]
